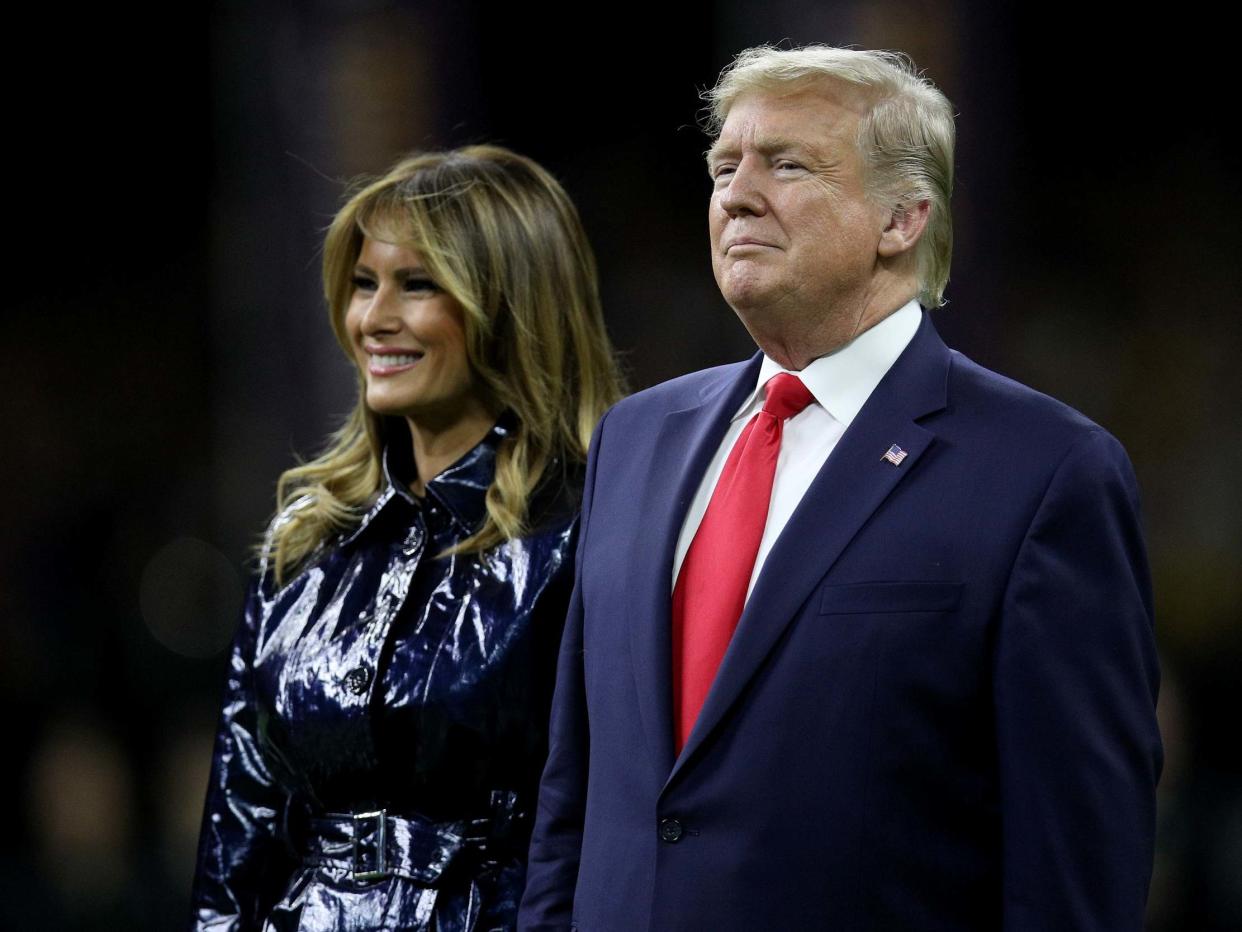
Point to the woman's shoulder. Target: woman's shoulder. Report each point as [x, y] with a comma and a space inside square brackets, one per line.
[557, 500]
[268, 553]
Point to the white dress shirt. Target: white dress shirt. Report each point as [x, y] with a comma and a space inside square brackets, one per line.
[841, 383]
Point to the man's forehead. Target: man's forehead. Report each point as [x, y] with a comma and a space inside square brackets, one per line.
[779, 118]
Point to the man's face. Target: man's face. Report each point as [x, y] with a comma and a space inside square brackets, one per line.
[793, 236]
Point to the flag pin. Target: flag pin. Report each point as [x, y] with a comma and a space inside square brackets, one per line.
[895, 455]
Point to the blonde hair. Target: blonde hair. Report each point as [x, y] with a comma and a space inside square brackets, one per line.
[906, 138]
[498, 234]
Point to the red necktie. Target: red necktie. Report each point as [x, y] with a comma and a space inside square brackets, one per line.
[711, 587]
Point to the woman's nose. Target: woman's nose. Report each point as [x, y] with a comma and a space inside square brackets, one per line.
[379, 315]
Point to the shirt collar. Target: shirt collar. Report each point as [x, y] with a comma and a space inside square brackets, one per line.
[461, 489]
[843, 380]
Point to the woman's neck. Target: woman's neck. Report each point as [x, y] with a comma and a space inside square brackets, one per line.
[437, 447]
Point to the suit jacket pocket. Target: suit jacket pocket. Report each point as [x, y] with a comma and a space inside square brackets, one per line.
[886, 598]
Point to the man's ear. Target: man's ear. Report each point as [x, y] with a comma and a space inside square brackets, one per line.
[905, 226]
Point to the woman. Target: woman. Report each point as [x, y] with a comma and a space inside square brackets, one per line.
[384, 723]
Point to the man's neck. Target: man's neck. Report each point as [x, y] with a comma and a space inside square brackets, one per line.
[795, 340]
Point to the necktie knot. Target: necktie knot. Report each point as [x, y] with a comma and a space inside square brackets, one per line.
[786, 396]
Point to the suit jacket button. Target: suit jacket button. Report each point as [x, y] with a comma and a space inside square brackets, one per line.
[670, 831]
[357, 680]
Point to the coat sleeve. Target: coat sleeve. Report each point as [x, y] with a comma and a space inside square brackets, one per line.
[1075, 692]
[556, 842]
[241, 859]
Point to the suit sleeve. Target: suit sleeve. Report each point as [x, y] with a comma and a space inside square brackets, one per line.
[240, 852]
[1076, 678]
[556, 842]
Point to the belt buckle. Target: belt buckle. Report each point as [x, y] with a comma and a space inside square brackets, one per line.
[380, 837]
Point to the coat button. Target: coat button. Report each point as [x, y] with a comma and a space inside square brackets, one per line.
[670, 831]
[357, 680]
[413, 542]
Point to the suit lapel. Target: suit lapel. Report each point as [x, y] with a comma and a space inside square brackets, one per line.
[687, 441]
[852, 484]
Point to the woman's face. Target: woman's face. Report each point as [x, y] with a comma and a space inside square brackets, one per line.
[408, 340]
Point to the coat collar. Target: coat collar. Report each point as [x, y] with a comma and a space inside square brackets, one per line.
[843, 380]
[461, 489]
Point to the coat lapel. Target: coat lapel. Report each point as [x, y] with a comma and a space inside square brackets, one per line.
[687, 441]
[852, 484]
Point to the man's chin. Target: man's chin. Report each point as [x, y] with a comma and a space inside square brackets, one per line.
[749, 301]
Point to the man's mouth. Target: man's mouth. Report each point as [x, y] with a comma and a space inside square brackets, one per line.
[746, 241]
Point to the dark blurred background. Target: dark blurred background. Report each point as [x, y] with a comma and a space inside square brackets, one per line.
[166, 351]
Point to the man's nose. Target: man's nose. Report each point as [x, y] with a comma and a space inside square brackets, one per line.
[743, 194]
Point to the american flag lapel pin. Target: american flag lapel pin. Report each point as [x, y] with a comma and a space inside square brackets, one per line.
[895, 455]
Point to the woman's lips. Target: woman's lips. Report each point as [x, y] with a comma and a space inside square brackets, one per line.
[390, 363]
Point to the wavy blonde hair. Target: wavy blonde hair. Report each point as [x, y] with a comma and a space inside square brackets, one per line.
[499, 234]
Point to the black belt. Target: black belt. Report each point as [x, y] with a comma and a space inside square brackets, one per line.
[377, 845]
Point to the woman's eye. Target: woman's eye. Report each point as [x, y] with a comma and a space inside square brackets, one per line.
[362, 283]
[421, 284]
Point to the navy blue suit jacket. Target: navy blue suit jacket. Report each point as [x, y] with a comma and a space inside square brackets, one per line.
[937, 711]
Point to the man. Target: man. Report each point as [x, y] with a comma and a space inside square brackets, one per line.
[861, 636]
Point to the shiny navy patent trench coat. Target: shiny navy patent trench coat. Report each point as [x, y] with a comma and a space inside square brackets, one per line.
[385, 718]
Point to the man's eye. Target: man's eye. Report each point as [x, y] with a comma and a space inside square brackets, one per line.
[722, 171]
[786, 165]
